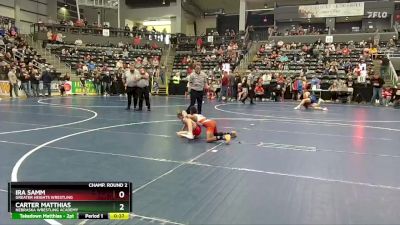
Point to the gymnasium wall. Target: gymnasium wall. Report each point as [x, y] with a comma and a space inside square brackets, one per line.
[26, 11]
[173, 11]
[205, 22]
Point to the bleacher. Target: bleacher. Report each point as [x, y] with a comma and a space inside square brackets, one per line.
[23, 53]
[99, 54]
[189, 49]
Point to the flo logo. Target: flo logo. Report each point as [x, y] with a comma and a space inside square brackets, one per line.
[377, 14]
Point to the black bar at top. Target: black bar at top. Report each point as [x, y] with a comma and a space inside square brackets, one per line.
[93, 216]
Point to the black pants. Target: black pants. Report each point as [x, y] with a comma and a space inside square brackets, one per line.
[132, 92]
[196, 96]
[267, 91]
[144, 93]
[252, 95]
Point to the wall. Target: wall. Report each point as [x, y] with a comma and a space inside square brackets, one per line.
[24, 12]
[227, 22]
[395, 62]
[106, 15]
[346, 27]
[174, 12]
[336, 37]
[205, 22]
[7, 8]
[286, 13]
[376, 23]
[283, 26]
[187, 23]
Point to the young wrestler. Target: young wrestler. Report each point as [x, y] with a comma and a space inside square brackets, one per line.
[310, 101]
[211, 126]
[190, 129]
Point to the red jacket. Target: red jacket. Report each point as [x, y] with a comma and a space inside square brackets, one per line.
[225, 81]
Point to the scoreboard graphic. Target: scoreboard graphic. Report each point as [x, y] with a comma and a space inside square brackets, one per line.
[70, 200]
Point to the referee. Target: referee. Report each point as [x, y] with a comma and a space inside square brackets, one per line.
[197, 82]
[130, 82]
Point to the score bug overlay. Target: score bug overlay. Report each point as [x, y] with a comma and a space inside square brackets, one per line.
[69, 200]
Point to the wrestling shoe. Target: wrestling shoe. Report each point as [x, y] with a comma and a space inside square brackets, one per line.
[296, 107]
[227, 138]
[188, 136]
[325, 109]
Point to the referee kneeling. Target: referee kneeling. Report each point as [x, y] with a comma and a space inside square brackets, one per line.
[197, 82]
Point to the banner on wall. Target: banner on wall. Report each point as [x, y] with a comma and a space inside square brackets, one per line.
[78, 89]
[210, 39]
[68, 87]
[106, 32]
[331, 10]
[4, 88]
[328, 39]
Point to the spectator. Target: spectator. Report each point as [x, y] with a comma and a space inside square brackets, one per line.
[106, 83]
[387, 95]
[259, 90]
[345, 51]
[334, 89]
[97, 82]
[232, 91]
[199, 43]
[91, 66]
[266, 79]
[281, 85]
[377, 84]
[24, 78]
[34, 79]
[137, 41]
[315, 82]
[47, 78]
[13, 80]
[63, 85]
[373, 52]
[224, 86]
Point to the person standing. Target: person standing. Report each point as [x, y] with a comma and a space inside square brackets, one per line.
[224, 86]
[46, 78]
[97, 82]
[251, 81]
[143, 89]
[119, 83]
[24, 78]
[130, 83]
[35, 77]
[106, 83]
[197, 82]
[377, 84]
[65, 79]
[12, 78]
[232, 87]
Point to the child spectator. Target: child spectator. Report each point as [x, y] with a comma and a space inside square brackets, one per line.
[387, 95]
[259, 90]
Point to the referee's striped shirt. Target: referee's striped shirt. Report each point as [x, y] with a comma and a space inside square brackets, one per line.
[197, 82]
